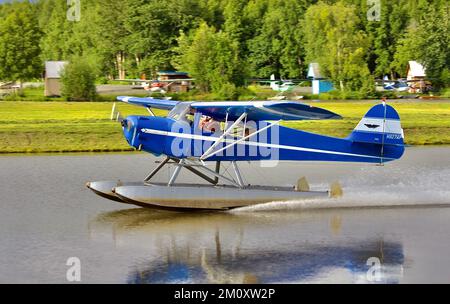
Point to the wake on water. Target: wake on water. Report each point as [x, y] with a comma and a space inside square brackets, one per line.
[391, 188]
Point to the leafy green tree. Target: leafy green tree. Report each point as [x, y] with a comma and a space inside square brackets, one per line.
[332, 39]
[78, 81]
[195, 53]
[64, 39]
[408, 48]
[384, 36]
[154, 29]
[213, 12]
[212, 58]
[104, 23]
[261, 37]
[234, 19]
[57, 31]
[434, 44]
[278, 46]
[427, 41]
[19, 44]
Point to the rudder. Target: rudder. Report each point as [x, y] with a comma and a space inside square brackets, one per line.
[381, 126]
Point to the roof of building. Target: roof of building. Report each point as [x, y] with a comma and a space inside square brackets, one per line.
[314, 71]
[53, 69]
[416, 69]
[172, 73]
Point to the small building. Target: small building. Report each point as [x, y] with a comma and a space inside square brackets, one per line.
[416, 71]
[319, 83]
[177, 82]
[53, 70]
[416, 77]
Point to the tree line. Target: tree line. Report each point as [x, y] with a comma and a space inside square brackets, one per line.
[222, 43]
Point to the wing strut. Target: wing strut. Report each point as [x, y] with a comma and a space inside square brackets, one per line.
[151, 112]
[208, 155]
[224, 135]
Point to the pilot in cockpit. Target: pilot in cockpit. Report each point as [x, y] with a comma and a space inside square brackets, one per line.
[208, 124]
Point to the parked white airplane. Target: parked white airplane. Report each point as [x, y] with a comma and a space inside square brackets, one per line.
[286, 86]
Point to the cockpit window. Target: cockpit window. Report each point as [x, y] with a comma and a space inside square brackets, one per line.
[180, 111]
[183, 112]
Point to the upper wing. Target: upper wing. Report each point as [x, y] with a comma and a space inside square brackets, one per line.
[133, 80]
[264, 110]
[176, 80]
[150, 102]
[256, 110]
[150, 80]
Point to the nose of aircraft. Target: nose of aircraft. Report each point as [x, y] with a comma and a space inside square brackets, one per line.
[129, 126]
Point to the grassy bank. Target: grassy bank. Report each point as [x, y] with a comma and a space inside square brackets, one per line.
[35, 127]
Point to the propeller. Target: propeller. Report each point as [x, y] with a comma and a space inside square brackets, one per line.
[116, 115]
[134, 137]
[119, 118]
[125, 123]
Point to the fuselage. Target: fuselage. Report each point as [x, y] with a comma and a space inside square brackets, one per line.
[186, 139]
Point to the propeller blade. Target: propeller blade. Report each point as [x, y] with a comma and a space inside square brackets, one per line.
[134, 137]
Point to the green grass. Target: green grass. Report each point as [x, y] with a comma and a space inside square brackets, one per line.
[40, 127]
[31, 94]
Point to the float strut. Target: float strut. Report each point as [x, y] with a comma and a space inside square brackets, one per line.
[154, 172]
[216, 180]
[238, 174]
[176, 173]
[203, 176]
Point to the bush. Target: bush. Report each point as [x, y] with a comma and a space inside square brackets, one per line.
[78, 81]
[227, 91]
[445, 93]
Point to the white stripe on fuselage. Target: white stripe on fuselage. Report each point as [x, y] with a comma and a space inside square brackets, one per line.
[250, 143]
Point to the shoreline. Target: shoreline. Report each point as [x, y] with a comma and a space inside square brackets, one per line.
[131, 151]
[32, 128]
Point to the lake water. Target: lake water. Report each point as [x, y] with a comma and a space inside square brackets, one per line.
[392, 225]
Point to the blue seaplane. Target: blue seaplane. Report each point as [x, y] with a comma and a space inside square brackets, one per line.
[200, 136]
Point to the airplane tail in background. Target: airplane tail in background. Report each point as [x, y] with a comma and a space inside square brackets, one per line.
[380, 126]
[273, 83]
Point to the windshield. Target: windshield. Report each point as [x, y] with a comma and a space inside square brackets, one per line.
[181, 111]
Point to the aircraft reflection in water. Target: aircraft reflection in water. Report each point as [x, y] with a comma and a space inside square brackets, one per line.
[249, 248]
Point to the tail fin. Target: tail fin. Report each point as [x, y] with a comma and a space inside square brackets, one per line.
[273, 82]
[380, 126]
